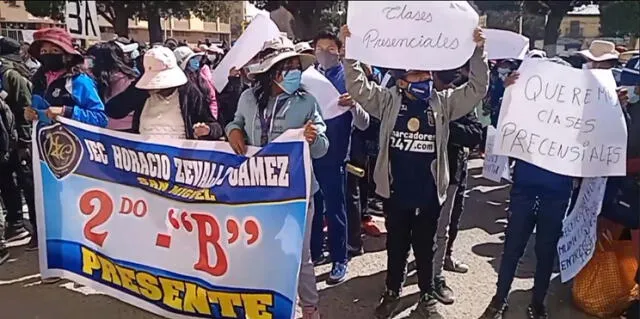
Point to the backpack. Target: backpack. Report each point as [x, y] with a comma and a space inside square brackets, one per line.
[8, 132]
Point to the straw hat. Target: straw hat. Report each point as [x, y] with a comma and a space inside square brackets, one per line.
[283, 49]
[600, 50]
[161, 70]
[184, 54]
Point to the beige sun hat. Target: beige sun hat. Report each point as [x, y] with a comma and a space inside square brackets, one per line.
[184, 54]
[161, 71]
[282, 49]
[303, 46]
[600, 50]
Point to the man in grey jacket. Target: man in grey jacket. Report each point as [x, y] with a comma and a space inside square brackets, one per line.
[412, 172]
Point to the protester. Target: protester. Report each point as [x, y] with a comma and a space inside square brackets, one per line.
[330, 169]
[191, 63]
[600, 55]
[412, 212]
[539, 199]
[15, 154]
[130, 50]
[277, 103]
[171, 43]
[499, 73]
[165, 103]
[464, 133]
[66, 90]
[31, 63]
[112, 76]
[8, 140]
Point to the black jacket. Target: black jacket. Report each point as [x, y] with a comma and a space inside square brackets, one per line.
[228, 99]
[464, 132]
[192, 105]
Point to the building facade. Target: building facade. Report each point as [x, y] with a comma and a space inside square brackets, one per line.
[17, 23]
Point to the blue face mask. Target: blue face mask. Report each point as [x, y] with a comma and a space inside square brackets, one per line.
[291, 81]
[421, 90]
[194, 65]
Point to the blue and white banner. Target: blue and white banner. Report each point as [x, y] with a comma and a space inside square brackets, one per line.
[184, 229]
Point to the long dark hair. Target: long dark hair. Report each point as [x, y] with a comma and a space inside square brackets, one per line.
[264, 82]
[195, 79]
[108, 59]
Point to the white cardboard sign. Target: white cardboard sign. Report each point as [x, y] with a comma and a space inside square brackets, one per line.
[503, 44]
[419, 35]
[494, 167]
[565, 120]
[325, 93]
[81, 18]
[260, 30]
[579, 229]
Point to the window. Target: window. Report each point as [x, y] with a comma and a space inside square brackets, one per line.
[574, 29]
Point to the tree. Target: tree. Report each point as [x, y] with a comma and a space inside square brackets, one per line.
[555, 11]
[311, 16]
[118, 13]
[620, 18]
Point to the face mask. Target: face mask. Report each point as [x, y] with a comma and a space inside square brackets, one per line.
[631, 93]
[421, 90]
[327, 59]
[291, 81]
[503, 73]
[194, 65]
[52, 62]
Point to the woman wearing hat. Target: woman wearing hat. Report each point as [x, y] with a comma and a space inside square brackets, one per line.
[273, 105]
[66, 89]
[412, 171]
[600, 55]
[199, 74]
[165, 103]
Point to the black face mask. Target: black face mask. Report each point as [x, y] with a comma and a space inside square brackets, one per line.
[52, 62]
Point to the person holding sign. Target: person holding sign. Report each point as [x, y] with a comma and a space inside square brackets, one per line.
[412, 171]
[539, 199]
[273, 105]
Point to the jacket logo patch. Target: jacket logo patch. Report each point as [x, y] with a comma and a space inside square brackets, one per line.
[60, 149]
[56, 92]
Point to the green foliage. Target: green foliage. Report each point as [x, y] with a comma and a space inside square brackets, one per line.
[42, 9]
[620, 18]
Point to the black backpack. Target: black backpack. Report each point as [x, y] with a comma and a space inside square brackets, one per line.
[8, 132]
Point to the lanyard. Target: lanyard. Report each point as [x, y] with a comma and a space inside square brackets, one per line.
[266, 121]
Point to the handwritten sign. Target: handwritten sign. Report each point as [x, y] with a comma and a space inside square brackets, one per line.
[419, 35]
[494, 167]
[578, 241]
[565, 120]
[503, 44]
[81, 18]
[250, 42]
[141, 218]
[325, 93]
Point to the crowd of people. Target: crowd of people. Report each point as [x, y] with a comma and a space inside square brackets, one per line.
[402, 149]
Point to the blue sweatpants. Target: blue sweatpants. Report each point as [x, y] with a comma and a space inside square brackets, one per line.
[330, 203]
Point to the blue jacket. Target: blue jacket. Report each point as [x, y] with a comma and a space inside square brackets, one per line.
[79, 97]
[537, 180]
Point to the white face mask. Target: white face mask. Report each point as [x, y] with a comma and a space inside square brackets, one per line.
[631, 93]
[503, 73]
[587, 66]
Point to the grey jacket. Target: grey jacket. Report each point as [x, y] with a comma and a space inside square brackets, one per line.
[448, 105]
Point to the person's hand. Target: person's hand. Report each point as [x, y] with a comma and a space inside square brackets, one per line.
[234, 72]
[201, 129]
[511, 78]
[310, 132]
[623, 96]
[478, 37]
[344, 34]
[30, 114]
[54, 111]
[346, 100]
[236, 141]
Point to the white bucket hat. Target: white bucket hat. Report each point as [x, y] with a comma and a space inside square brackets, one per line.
[600, 50]
[161, 70]
[184, 54]
[283, 49]
[303, 46]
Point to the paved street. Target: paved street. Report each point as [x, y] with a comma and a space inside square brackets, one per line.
[23, 296]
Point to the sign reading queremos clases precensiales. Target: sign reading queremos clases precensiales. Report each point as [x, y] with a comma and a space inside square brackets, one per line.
[565, 120]
[184, 229]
